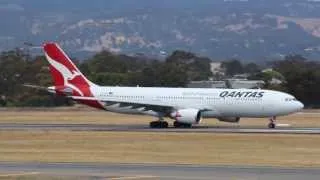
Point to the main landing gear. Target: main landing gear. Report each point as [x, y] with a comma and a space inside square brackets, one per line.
[177, 124]
[272, 123]
[161, 123]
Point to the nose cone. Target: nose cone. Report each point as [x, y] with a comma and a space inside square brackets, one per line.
[300, 105]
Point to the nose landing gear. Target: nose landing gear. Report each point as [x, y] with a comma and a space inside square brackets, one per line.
[272, 123]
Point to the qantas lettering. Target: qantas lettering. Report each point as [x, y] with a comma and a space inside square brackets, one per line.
[238, 94]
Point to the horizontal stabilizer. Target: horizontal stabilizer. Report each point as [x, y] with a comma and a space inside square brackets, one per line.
[42, 88]
[35, 87]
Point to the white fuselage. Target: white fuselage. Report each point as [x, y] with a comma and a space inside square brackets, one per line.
[215, 102]
[185, 105]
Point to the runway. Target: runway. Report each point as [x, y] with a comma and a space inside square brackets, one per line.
[153, 171]
[145, 128]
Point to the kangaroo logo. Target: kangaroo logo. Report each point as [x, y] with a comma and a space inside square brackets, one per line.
[74, 74]
[66, 73]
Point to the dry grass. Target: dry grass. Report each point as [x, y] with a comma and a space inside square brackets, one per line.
[70, 117]
[172, 148]
[46, 116]
[294, 120]
[41, 177]
[138, 147]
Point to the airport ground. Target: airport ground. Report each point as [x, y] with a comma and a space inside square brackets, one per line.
[83, 115]
[208, 151]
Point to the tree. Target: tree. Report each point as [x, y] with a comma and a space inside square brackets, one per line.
[197, 68]
[232, 67]
[106, 62]
[302, 78]
[251, 68]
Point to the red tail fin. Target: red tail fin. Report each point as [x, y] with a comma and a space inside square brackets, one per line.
[64, 73]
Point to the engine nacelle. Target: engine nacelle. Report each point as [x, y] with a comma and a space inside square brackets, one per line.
[188, 116]
[229, 119]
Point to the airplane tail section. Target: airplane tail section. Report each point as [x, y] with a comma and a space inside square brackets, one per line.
[67, 78]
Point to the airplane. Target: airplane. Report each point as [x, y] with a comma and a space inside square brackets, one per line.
[186, 106]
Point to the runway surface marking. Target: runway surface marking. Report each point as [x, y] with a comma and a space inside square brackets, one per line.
[311, 113]
[144, 128]
[134, 177]
[19, 174]
[179, 172]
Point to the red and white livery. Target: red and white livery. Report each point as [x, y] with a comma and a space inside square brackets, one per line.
[186, 106]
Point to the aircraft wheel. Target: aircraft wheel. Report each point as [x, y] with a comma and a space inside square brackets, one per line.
[159, 124]
[177, 124]
[154, 124]
[271, 125]
[164, 124]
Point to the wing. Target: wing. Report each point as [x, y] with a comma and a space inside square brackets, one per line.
[125, 104]
[138, 106]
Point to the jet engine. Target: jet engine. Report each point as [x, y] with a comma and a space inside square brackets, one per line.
[229, 119]
[187, 116]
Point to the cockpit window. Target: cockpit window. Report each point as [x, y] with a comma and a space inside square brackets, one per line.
[291, 99]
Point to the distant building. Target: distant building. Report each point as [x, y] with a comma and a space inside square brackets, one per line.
[245, 84]
[267, 70]
[237, 81]
[275, 81]
[207, 84]
[241, 76]
[216, 68]
[229, 83]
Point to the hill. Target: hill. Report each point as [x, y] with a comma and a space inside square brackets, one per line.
[255, 30]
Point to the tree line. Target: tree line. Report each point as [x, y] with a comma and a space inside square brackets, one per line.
[300, 76]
